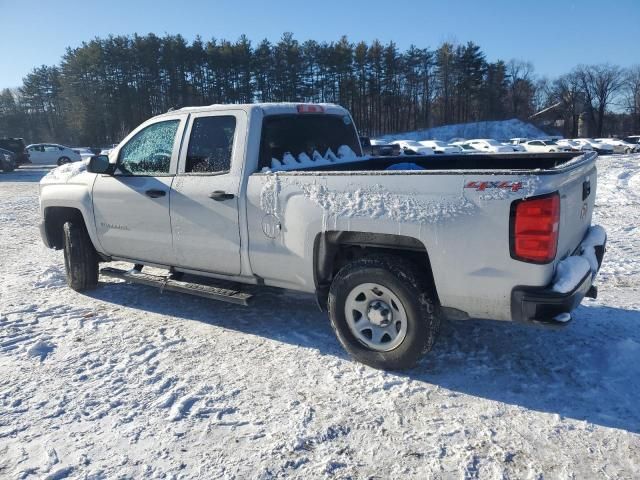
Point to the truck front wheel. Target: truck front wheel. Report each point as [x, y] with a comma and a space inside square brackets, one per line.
[383, 312]
[80, 258]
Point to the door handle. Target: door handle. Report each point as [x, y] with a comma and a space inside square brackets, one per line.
[586, 189]
[220, 196]
[155, 193]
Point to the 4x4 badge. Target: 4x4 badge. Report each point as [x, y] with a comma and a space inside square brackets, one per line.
[482, 186]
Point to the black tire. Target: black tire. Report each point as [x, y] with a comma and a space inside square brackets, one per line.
[8, 167]
[80, 258]
[414, 292]
[63, 160]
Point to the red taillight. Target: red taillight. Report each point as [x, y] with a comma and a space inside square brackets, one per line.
[306, 108]
[534, 228]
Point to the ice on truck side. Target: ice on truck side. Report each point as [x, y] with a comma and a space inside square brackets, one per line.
[281, 195]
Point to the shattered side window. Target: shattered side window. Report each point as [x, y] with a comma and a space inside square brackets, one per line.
[149, 152]
[211, 144]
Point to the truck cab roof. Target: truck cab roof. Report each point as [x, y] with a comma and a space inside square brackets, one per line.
[282, 108]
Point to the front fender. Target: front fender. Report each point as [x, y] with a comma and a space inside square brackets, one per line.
[76, 195]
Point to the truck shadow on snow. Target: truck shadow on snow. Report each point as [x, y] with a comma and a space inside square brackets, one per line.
[589, 370]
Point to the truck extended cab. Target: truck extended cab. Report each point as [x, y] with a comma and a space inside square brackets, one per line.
[280, 195]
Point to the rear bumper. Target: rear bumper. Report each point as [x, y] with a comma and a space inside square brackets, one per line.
[543, 304]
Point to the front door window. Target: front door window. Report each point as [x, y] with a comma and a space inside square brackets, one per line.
[148, 153]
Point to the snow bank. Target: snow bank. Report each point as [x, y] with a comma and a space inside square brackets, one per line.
[503, 129]
[65, 172]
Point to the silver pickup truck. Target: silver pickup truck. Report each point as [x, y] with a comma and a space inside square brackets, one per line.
[280, 195]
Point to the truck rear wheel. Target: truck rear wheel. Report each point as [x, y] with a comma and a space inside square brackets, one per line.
[80, 258]
[383, 312]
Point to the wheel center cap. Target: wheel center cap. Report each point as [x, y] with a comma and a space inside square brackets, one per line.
[379, 313]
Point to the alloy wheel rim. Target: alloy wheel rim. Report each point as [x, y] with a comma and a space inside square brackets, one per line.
[376, 317]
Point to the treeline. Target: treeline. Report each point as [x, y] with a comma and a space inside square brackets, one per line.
[106, 87]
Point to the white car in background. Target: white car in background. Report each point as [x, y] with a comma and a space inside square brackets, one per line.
[601, 148]
[516, 147]
[464, 147]
[411, 147]
[574, 146]
[438, 146]
[544, 146]
[489, 145]
[85, 152]
[619, 146]
[51, 154]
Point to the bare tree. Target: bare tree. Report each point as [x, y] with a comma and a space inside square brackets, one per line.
[599, 83]
[632, 95]
[520, 76]
[566, 95]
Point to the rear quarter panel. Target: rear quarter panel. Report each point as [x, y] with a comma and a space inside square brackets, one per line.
[465, 230]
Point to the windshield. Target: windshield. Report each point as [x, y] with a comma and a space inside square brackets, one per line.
[308, 133]
[550, 142]
[495, 143]
[411, 143]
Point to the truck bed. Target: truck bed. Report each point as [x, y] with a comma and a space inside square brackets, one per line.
[515, 162]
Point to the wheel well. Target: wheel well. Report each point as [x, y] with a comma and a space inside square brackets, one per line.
[54, 220]
[335, 249]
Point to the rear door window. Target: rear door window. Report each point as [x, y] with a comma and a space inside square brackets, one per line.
[211, 145]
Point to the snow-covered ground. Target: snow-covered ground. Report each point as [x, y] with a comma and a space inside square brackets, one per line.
[127, 383]
[499, 129]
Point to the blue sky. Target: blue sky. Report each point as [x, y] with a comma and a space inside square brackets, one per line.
[554, 35]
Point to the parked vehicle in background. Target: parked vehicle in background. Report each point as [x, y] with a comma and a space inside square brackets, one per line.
[574, 146]
[85, 152]
[516, 147]
[411, 147]
[619, 146]
[7, 160]
[51, 154]
[18, 147]
[518, 140]
[544, 146]
[633, 139]
[489, 145]
[279, 195]
[464, 147]
[438, 146]
[601, 148]
[377, 148]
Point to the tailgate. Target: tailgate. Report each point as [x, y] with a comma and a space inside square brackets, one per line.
[577, 198]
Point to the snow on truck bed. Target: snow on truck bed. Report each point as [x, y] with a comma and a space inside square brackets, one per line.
[127, 383]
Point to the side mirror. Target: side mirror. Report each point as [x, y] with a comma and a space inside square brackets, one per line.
[100, 164]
